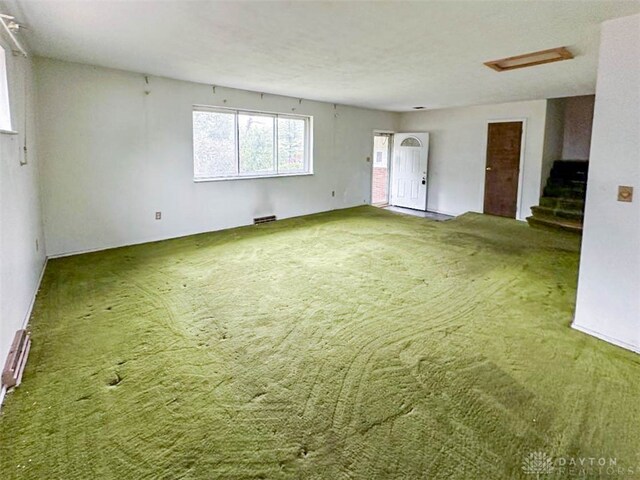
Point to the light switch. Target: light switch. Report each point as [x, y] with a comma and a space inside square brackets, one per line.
[625, 193]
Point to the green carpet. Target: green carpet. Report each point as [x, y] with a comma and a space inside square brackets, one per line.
[355, 344]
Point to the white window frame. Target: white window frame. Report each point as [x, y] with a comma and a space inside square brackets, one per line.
[5, 104]
[308, 143]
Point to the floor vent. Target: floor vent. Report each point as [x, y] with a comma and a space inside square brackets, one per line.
[258, 220]
[17, 359]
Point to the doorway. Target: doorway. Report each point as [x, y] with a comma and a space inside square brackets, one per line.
[409, 170]
[380, 174]
[502, 170]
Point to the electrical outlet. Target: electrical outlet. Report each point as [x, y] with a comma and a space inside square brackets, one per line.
[158, 215]
[333, 193]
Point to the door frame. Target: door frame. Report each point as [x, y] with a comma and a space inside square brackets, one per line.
[391, 134]
[520, 167]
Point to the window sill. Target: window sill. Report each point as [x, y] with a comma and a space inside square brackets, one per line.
[250, 177]
[8, 132]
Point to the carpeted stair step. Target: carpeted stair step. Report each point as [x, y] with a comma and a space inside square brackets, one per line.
[568, 182]
[547, 212]
[565, 192]
[562, 203]
[555, 223]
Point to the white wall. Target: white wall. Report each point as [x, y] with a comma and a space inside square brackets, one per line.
[20, 222]
[115, 155]
[608, 303]
[553, 136]
[578, 124]
[457, 153]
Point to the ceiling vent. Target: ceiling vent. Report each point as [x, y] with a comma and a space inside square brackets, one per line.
[530, 59]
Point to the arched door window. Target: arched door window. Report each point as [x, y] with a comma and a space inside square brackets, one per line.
[411, 142]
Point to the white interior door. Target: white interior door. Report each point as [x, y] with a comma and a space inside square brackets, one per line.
[409, 172]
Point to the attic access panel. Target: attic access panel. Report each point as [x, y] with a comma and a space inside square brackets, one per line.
[530, 59]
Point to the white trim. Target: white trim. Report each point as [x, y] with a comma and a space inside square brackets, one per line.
[391, 136]
[186, 234]
[450, 214]
[25, 321]
[137, 242]
[606, 338]
[523, 146]
[215, 108]
[251, 177]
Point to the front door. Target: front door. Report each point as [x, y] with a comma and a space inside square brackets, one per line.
[504, 142]
[409, 172]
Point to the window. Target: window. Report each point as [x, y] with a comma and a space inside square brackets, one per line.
[5, 113]
[411, 142]
[242, 144]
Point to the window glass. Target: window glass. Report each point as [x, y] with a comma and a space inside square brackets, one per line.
[291, 144]
[256, 133]
[214, 144]
[229, 143]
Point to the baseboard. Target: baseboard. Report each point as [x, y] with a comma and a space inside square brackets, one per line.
[133, 243]
[606, 338]
[25, 322]
[430, 210]
[184, 234]
[442, 212]
[27, 317]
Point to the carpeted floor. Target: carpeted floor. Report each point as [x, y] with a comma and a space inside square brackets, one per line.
[354, 344]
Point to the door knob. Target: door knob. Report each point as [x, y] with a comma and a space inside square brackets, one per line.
[488, 169]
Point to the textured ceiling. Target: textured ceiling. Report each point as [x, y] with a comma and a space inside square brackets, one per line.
[384, 55]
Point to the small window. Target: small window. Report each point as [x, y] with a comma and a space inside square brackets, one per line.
[5, 112]
[411, 142]
[242, 144]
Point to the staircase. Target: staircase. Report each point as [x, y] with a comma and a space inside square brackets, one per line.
[562, 203]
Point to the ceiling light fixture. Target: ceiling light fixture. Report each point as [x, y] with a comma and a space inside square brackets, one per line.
[530, 59]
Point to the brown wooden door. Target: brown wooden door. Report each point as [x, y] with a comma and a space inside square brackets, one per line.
[502, 169]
